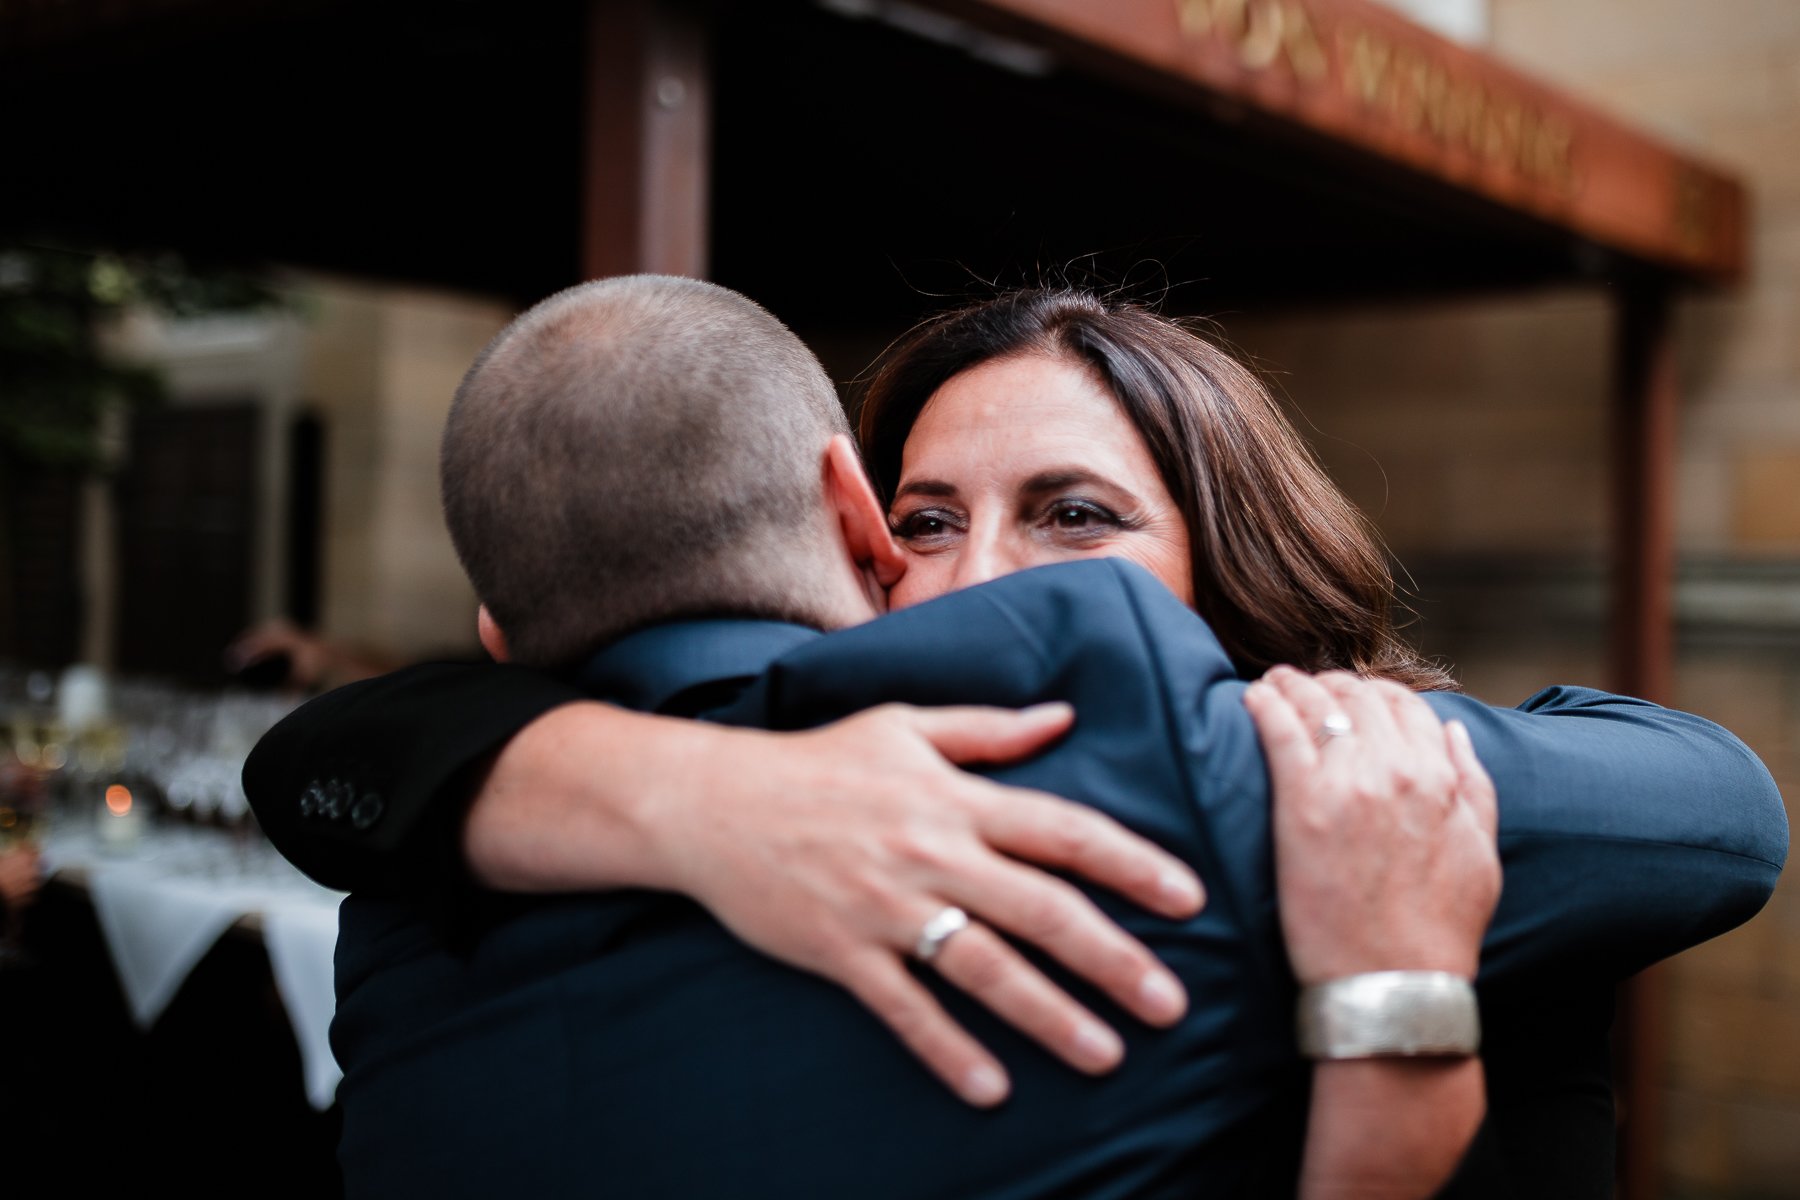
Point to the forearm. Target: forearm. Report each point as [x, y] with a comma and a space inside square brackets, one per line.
[1389, 1129]
[587, 796]
[1385, 861]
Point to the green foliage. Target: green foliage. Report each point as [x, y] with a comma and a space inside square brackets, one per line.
[55, 383]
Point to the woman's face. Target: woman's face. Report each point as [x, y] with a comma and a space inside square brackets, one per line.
[1021, 462]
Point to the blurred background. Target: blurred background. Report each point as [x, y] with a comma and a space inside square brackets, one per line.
[1526, 271]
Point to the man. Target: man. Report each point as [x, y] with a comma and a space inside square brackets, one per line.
[668, 1054]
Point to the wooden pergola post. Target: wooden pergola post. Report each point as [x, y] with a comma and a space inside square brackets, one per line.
[647, 140]
[1643, 586]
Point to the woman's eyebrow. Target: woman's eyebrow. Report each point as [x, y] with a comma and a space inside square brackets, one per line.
[926, 487]
[1057, 478]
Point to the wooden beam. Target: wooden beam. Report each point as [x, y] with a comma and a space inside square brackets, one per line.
[1645, 414]
[648, 140]
[1357, 74]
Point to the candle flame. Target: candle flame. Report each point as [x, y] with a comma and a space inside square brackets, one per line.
[118, 799]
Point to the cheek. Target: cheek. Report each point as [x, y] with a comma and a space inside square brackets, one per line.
[1168, 559]
[927, 577]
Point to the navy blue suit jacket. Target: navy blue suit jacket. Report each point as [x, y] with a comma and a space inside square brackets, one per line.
[625, 1044]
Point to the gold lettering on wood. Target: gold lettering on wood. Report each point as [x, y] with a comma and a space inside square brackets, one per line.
[1500, 133]
[1366, 67]
[1409, 94]
[1260, 32]
[1415, 90]
[1306, 53]
[1195, 17]
[1261, 43]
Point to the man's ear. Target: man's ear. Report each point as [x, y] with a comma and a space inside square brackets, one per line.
[493, 638]
[860, 514]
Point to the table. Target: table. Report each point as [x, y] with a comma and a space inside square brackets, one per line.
[163, 904]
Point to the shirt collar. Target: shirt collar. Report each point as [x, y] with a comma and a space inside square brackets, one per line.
[648, 669]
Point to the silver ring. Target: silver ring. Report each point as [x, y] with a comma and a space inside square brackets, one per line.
[1335, 725]
[949, 921]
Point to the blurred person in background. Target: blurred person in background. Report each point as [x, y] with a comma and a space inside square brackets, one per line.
[21, 863]
[278, 653]
[21, 874]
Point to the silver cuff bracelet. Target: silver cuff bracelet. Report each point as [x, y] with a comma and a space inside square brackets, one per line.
[1389, 1014]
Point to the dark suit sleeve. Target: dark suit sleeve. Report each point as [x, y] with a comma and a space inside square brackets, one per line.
[1628, 832]
[364, 788]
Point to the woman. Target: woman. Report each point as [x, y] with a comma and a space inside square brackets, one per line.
[1205, 485]
[1246, 528]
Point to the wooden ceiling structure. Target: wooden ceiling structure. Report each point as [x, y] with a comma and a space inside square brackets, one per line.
[850, 162]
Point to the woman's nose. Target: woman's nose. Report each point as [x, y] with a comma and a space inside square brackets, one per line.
[983, 557]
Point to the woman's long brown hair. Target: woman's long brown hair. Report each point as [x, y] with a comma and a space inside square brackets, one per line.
[1286, 570]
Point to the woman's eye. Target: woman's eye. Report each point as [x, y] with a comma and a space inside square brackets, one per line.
[1081, 517]
[1072, 516]
[922, 525]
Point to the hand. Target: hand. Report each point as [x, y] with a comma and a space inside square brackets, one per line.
[1385, 856]
[1384, 860]
[861, 831]
[307, 653]
[313, 660]
[830, 849]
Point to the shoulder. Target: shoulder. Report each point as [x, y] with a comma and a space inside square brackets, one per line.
[1011, 641]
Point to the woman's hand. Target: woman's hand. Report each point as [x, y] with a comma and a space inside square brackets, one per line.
[1385, 859]
[831, 849]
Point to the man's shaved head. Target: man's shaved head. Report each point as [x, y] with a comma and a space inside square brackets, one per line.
[637, 449]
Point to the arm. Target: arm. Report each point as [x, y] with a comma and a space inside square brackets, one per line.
[365, 788]
[1385, 860]
[1628, 832]
[821, 848]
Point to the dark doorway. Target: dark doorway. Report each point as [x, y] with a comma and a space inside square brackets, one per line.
[40, 575]
[187, 504]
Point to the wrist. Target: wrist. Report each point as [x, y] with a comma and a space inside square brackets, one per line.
[1343, 958]
[1389, 1014]
[1386, 1129]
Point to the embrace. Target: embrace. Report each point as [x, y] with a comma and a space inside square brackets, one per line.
[684, 899]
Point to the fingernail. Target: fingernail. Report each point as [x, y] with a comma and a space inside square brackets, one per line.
[1180, 892]
[1097, 1047]
[984, 1086]
[1161, 997]
[1051, 709]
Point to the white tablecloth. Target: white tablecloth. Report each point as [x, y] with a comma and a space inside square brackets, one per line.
[163, 904]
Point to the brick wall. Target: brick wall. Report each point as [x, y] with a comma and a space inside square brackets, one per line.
[1474, 432]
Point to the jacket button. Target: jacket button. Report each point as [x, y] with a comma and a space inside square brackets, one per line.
[337, 799]
[312, 799]
[367, 811]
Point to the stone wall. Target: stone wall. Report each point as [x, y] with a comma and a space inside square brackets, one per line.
[381, 363]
